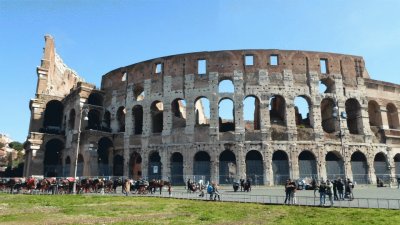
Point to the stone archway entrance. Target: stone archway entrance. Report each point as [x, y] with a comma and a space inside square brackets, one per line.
[202, 166]
[255, 167]
[307, 165]
[177, 169]
[280, 167]
[227, 167]
[334, 165]
[135, 166]
[52, 163]
[155, 166]
[359, 168]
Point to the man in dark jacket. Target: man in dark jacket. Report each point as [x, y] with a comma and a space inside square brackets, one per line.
[340, 188]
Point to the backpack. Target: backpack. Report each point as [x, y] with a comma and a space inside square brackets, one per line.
[209, 189]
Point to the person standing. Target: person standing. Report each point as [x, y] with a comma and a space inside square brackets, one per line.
[127, 187]
[340, 188]
[329, 191]
[287, 191]
[322, 193]
[293, 189]
[335, 195]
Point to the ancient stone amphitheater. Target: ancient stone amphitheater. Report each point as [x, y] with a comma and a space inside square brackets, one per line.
[263, 114]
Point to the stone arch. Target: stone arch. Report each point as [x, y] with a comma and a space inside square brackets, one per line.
[226, 119]
[381, 166]
[202, 166]
[71, 119]
[202, 110]
[95, 99]
[327, 85]
[177, 169]
[106, 121]
[52, 163]
[53, 116]
[302, 110]
[121, 119]
[67, 167]
[104, 150]
[307, 164]
[80, 166]
[227, 167]
[251, 113]
[156, 110]
[329, 123]
[393, 116]
[374, 114]
[118, 165]
[94, 119]
[354, 117]
[137, 117]
[155, 166]
[359, 167]
[334, 165]
[277, 110]
[178, 109]
[396, 160]
[255, 167]
[226, 86]
[280, 167]
[138, 92]
[135, 166]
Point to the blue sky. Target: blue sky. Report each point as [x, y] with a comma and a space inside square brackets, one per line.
[94, 37]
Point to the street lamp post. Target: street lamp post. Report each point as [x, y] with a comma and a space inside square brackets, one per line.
[83, 109]
[335, 114]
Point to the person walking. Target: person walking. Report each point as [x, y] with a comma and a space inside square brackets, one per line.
[322, 193]
[329, 191]
[127, 187]
[349, 189]
[287, 191]
[335, 195]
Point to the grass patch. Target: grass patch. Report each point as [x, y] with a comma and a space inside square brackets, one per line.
[69, 209]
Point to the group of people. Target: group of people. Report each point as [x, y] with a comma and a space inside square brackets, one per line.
[334, 190]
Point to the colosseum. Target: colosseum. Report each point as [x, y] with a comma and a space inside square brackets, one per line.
[224, 115]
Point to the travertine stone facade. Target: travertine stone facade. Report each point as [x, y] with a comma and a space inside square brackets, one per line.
[145, 120]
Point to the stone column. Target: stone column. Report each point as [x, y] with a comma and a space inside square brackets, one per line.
[214, 115]
[293, 162]
[238, 105]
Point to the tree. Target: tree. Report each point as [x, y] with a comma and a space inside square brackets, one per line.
[16, 145]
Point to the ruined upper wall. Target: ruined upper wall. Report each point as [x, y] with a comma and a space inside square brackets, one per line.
[226, 62]
[55, 78]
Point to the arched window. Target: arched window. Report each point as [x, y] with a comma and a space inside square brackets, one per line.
[202, 111]
[277, 110]
[302, 111]
[329, 122]
[71, 121]
[156, 111]
[354, 117]
[226, 86]
[226, 115]
[393, 116]
[121, 119]
[95, 99]
[53, 116]
[374, 114]
[178, 108]
[137, 116]
[251, 113]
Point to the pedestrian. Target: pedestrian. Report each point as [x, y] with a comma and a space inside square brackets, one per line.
[322, 193]
[293, 189]
[340, 188]
[169, 190]
[127, 187]
[287, 191]
[241, 184]
[329, 191]
[349, 189]
[335, 195]
[248, 181]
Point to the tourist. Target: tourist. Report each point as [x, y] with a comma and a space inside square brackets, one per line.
[293, 189]
[340, 188]
[329, 191]
[349, 189]
[287, 191]
[322, 193]
[335, 195]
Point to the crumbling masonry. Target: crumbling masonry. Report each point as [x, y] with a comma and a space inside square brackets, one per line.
[162, 119]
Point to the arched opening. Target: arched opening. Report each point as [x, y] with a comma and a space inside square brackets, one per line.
[178, 108]
[374, 114]
[226, 113]
[52, 163]
[255, 167]
[354, 117]
[71, 120]
[202, 166]
[381, 167]
[302, 112]
[277, 110]
[227, 167]
[359, 168]
[138, 92]
[104, 150]
[81, 163]
[327, 85]
[154, 166]
[396, 159]
[121, 119]
[280, 167]
[118, 164]
[94, 120]
[53, 116]
[328, 121]
[67, 167]
[135, 166]
[156, 111]
[251, 113]
[334, 165]
[106, 122]
[307, 165]
[202, 111]
[137, 116]
[392, 115]
[95, 99]
[177, 169]
[226, 86]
